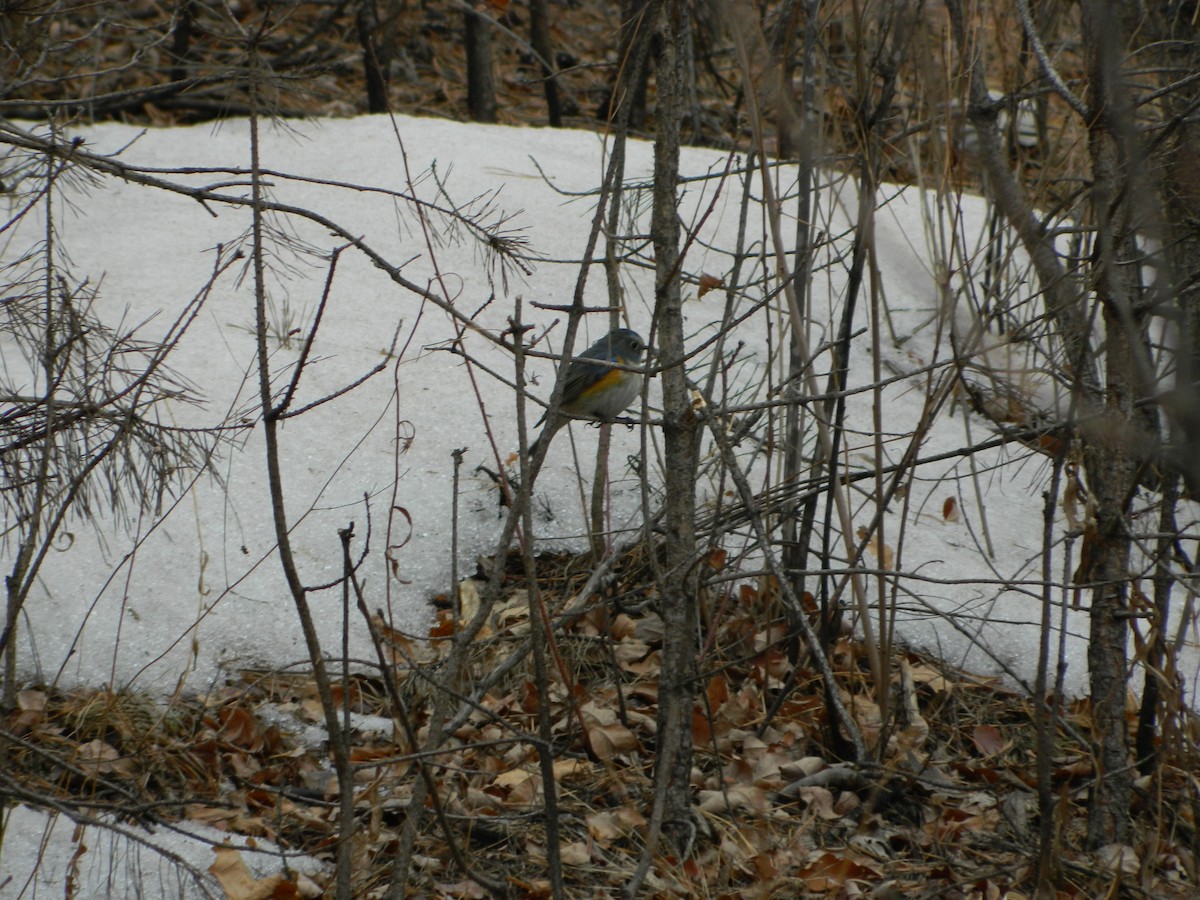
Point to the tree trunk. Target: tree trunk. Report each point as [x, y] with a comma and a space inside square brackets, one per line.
[539, 38]
[630, 82]
[680, 440]
[1177, 287]
[181, 39]
[1115, 436]
[374, 66]
[481, 73]
[1173, 35]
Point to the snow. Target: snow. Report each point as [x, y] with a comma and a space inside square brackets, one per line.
[205, 575]
[116, 860]
[203, 594]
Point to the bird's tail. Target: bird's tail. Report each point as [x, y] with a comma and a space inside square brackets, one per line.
[546, 436]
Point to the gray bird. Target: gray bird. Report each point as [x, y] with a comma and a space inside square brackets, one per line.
[596, 389]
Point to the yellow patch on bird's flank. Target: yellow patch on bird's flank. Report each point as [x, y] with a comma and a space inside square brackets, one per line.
[608, 380]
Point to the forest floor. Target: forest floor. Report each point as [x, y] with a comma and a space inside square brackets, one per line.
[948, 809]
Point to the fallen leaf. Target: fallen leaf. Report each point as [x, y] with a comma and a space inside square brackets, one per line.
[525, 791]
[238, 882]
[1120, 859]
[240, 728]
[818, 801]
[802, 767]
[465, 890]
[718, 691]
[885, 557]
[988, 740]
[32, 706]
[604, 828]
[950, 510]
[829, 872]
[631, 817]
[571, 768]
[925, 674]
[512, 616]
[575, 853]
[606, 741]
[103, 758]
[743, 797]
[469, 600]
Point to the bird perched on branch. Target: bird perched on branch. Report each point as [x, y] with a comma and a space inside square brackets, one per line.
[595, 388]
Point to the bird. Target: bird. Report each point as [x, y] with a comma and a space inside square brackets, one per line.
[594, 387]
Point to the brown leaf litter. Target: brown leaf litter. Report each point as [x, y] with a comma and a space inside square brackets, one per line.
[949, 808]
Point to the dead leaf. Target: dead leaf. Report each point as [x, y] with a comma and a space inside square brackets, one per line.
[818, 801]
[216, 817]
[575, 853]
[32, 706]
[464, 890]
[925, 674]
[103, 758]
[630, 650]
[512, 616]
[238, 882]
[767, 865]
[740, 797]
[469, 600]
[606, 740]
[716, 558]
[802, 767]
[809, 603]
[622, 626]
[519, 787]
[311, 709]
[650, 628]
[911, 738]
[885, 557]
[604, 827]
[950, 510]
[709, 283]
[631, 818]
[572, 768]
[869, 717]
[1119, 859]
[240, 728]
[988, 740]
[718, 691]
[828, 872]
